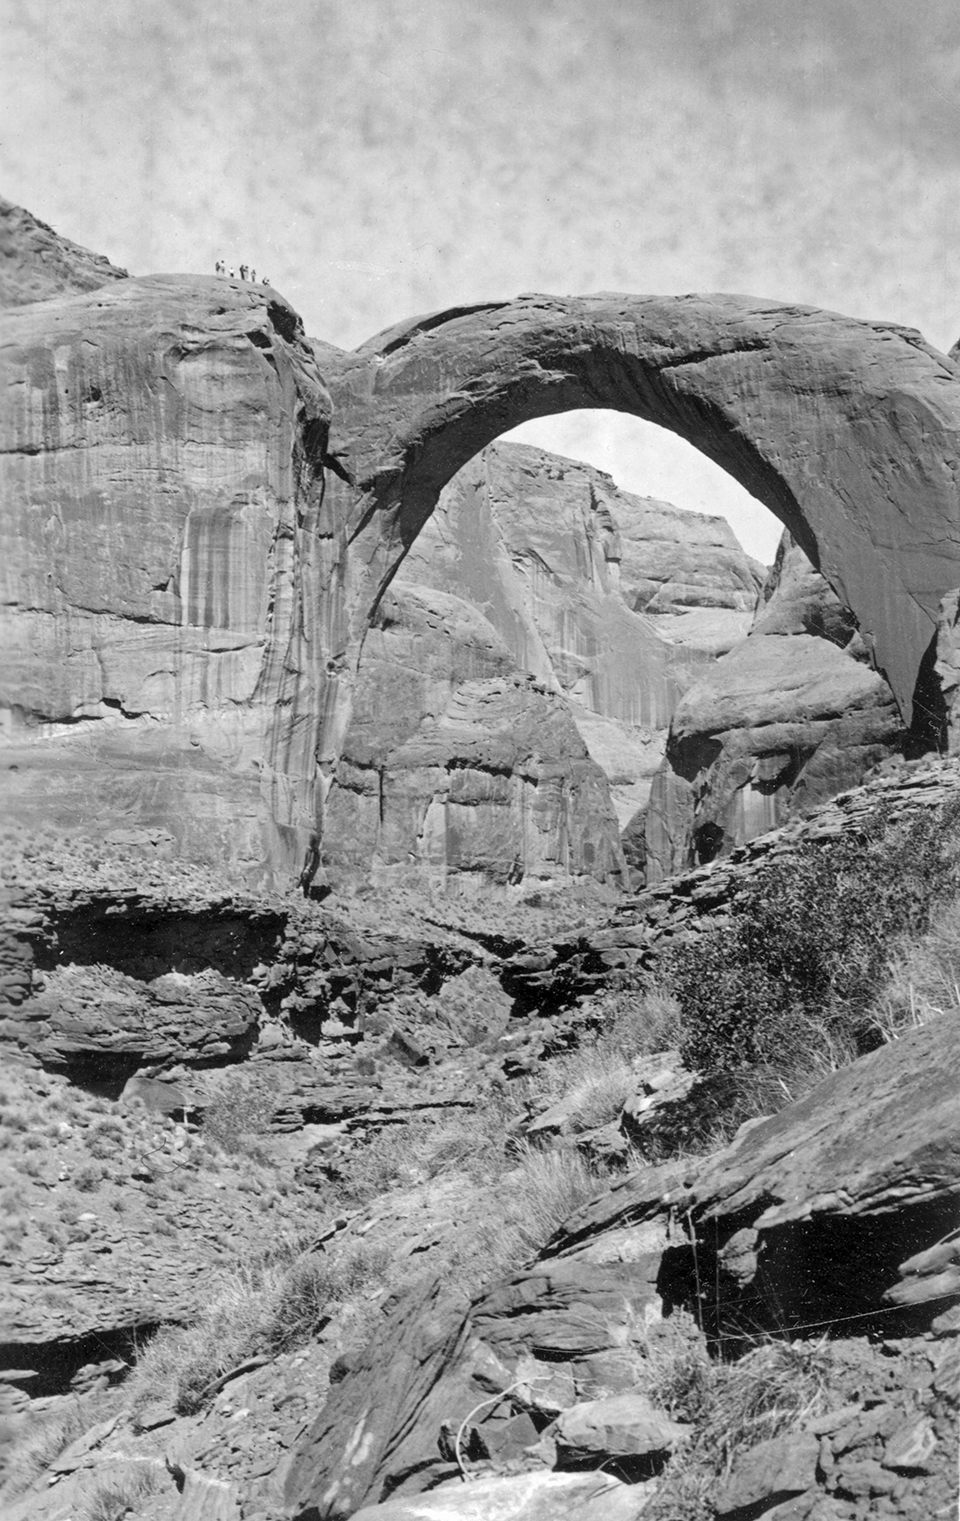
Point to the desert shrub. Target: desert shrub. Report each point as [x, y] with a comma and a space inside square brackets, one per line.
[240, 1112]
[88, 1177]
[793, 974]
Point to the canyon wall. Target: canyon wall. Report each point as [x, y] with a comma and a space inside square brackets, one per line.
[511, 676]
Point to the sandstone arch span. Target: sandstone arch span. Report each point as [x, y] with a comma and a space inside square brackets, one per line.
[189, 591]
[848, 431]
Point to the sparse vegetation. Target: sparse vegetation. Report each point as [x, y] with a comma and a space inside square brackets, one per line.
[786, 988]
[88, 1177]
[264, 1307]
[730, 1406]
[42, 1440]
[121, 1495]
[239, 1114]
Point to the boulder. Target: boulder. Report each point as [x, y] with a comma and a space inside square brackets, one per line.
[431, 1368]
[620, 1426]
[878, 1134]
[864, 1170]
[383, 1419]
[98, 1017]
[522, 1497]
[766, 1475]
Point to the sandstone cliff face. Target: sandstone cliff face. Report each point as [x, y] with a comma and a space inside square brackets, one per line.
[791, 716]
[458, 769]
[36, 263]
[506, 650]
[162, 485]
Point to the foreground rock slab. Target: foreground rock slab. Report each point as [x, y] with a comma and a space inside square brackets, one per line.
[526, 1497]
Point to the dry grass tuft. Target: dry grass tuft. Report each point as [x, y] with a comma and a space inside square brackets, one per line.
[262, 1308]
[120, 1496]
[42, 1438]
[775, 1388]
[924, 980]
[534, 1200]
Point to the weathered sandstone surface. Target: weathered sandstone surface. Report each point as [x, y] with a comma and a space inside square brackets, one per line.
[36, 263]
[817, 1215]
[458, 765]
[791, 716]
[163, 484]
[190, 570]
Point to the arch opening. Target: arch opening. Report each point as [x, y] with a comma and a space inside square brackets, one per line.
[845, 432]
[648, 460]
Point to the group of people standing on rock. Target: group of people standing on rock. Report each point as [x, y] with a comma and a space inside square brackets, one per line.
[245, 273]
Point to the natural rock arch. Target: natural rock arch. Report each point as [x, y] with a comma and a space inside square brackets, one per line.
[169, 525]
[848, 431]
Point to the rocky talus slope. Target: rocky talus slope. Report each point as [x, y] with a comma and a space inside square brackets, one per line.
[134, 1198]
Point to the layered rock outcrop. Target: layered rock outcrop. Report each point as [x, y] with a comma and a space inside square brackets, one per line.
[813, 1217]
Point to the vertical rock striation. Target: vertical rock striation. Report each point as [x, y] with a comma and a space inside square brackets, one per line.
[457, 763]
[165, 559]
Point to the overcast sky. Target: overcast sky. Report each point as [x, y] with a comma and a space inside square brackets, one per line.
[379, 158]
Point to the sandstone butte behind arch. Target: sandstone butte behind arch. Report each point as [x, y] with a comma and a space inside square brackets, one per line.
[848, 431]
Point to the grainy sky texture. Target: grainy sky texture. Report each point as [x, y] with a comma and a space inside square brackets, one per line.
[378, 158]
